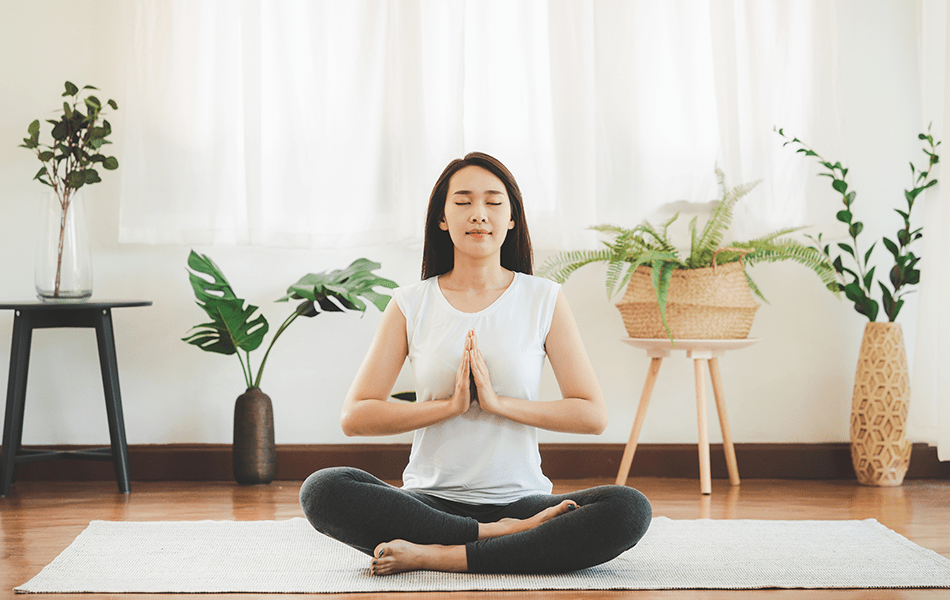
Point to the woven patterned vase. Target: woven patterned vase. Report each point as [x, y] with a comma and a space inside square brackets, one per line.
[714, 303]
[879, 451]
[254, 452]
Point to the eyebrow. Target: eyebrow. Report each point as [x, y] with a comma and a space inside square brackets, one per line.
[467, 192]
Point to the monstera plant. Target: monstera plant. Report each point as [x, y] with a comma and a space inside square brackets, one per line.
[236, 328]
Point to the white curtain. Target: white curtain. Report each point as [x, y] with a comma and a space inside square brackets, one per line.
[929, 419]
[324, 123]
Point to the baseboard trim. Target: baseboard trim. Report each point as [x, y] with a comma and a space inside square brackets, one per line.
[212, 462]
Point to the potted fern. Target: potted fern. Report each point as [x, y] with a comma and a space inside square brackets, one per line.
[704, 295]
[234, 329]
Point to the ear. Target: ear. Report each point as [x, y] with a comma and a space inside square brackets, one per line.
[443, 225]
[511, 224]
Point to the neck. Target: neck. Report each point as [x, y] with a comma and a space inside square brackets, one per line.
[477, 274]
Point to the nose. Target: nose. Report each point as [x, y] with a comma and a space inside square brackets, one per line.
[478, 215]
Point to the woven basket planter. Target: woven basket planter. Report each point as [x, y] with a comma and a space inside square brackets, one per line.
[714, 303]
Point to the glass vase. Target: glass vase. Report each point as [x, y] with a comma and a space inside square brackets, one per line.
[63, 267]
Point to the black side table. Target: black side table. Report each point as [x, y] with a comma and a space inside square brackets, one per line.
[43, 315]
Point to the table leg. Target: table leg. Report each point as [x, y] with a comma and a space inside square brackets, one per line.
[705, 478]
[631, 447]
[727, 445]
[16, 399]
[110, 383]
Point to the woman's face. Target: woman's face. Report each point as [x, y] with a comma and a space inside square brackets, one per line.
[477, 212]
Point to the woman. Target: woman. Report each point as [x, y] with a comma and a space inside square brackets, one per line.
[476, 331]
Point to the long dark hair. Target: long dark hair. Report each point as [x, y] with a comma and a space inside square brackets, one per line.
[438, 253]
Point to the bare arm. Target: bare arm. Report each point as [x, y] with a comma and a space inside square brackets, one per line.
[366, 410]
[582, 408]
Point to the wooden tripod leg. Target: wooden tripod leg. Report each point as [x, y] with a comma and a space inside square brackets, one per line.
[727, 445]
[638, 421]
[705, 478]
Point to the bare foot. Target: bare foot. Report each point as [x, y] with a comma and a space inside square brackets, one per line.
[509, 526]
[399, 555]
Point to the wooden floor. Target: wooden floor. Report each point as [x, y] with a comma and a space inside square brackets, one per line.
[39, 519]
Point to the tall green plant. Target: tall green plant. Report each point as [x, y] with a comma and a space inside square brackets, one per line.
[648, 245]
[234, 328]
[857, 281]
[70, 159]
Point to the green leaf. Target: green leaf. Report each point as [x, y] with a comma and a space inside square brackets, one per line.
[232, 326]
[113, 104]
[344, 286]
[662, 274]
[856, 229]
[71, 89]
[869, 278]
[110, 163]
[59, 131]
[75, 179]
[846, 248]
[91, 176]
[844, 216]
[891, 247]
[46, 155]
[206, 291]
[839, 185]
[34, 128]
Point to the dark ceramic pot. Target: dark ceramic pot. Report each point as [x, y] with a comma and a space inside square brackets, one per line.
[254, 452]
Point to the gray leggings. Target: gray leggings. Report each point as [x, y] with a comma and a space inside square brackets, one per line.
[362, 511]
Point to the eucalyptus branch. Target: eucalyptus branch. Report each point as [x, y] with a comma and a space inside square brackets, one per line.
[857, 282]
[69, 160]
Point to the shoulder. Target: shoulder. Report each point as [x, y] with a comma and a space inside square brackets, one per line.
[413, 290]
[538, 285]
[410, 298]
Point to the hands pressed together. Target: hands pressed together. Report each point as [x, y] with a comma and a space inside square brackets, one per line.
[472, 381]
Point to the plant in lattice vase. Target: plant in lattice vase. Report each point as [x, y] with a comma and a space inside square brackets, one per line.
[880, 451]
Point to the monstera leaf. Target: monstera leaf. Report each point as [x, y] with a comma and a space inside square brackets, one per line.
[340, 289]
[233, 325]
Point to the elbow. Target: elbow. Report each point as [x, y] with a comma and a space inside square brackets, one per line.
[599, 424]
[348, 424]
[597, 421]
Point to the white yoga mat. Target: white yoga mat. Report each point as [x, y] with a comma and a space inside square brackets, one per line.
[290, 557]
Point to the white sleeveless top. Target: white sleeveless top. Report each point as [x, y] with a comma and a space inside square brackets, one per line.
[477, 457]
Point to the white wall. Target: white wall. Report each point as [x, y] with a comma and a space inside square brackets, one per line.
[793, 386]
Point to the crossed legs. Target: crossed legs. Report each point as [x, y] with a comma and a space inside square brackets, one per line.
[404, 530]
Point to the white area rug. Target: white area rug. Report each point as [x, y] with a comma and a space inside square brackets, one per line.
[290, 557]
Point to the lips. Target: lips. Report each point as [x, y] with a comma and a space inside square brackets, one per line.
[478, 232]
